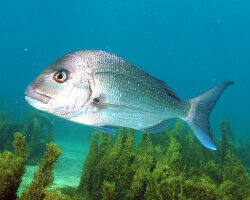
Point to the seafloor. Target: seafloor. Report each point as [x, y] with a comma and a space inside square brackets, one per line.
[69, 166]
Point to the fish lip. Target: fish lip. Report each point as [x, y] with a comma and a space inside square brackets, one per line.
[36, 95]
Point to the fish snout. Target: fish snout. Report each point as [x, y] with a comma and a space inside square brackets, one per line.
[36, 95]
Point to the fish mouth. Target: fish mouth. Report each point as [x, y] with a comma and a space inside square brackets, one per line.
[33, 94]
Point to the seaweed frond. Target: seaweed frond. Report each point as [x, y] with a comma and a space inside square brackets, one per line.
[12, 168]
[43, 177]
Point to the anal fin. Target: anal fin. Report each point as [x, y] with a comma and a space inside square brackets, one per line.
[107, 129]
[158, 127]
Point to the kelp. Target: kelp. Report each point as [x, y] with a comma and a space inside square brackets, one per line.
[7, 132]
[38, 131]
[176, 166]
[12, 168]
[43, 177]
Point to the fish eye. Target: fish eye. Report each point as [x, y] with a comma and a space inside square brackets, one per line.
[60, 76]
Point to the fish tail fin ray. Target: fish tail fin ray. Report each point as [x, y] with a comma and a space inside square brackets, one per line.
[198, 115]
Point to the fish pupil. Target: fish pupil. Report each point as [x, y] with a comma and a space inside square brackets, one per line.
[60, 76]
[96, 100]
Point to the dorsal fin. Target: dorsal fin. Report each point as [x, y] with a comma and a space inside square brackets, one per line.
[168, 90]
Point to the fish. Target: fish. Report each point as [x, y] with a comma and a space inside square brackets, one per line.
[102, 90]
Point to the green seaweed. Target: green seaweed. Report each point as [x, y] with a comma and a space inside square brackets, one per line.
[234, 171]
[43, 177]
[175, 167]
[12, 168]
[7, 132]
[67, 192]
[244, 154]
[86, 184]
[38, 131]
[56, 195]
[141, 166]
[227, 140]
[108, 191]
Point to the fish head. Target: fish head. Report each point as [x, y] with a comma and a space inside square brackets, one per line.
[63, 89]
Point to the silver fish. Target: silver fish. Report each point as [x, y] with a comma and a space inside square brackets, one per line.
[103, 90]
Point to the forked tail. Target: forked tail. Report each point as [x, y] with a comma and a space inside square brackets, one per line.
[198, 116]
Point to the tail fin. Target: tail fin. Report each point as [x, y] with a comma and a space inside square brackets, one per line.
[198, 116]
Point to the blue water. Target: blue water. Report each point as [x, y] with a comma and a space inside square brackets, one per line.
[191, 45]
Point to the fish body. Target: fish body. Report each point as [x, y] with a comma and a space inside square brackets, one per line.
[102, 90]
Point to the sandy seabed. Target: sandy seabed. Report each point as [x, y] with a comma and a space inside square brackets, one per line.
[69, 167]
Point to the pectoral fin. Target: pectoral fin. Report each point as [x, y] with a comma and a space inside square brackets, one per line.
[99, 104]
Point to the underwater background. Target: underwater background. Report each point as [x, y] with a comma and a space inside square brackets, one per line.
[191, 45]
